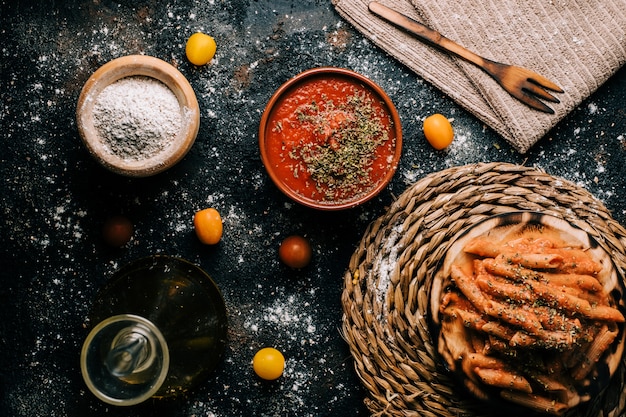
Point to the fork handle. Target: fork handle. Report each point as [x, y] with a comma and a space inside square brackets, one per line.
[425, 33]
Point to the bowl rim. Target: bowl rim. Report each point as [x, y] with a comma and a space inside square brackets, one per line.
[148, 66]
[292, 83]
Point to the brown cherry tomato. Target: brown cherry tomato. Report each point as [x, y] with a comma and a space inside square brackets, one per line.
[117, 231]
[295, 252]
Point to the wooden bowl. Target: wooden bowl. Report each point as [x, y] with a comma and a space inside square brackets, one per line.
[298, 150]
[172, 150]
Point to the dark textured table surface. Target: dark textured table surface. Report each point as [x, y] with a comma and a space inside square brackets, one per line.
[54, 197]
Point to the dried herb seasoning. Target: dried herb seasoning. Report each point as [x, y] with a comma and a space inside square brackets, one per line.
[347, 135]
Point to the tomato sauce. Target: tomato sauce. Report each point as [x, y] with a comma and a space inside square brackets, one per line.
[331, 139]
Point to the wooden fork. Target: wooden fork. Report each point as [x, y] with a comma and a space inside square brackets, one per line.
[521, 83]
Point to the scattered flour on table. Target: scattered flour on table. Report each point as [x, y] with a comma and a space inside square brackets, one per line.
[385, 264]
[292, 321]
[290, 316]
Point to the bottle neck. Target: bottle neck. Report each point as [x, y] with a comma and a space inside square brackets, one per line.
[125, 360]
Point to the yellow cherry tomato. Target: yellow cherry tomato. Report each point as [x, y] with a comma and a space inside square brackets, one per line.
[268, 363]
[208, 225]
[438, 131]
[200, 48]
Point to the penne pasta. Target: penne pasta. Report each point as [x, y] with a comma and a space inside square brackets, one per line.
[579, 281]
[469, 288]
[498, 330]
[522, 339]
[528, 317]
[483, 247]
[503, 379]
[600, 344]
[559, 299]
[548, 383]
[490, 248]
[471, 319]
[552, 319]
[483, 361]
[577, 261]
[555, 339]
[534, 244]
[534, 260]
[553, 295]
[504, 290]
[535, 402]
[605, 313]
[597, 298]
[500, 266]
[454, 299]
[496, 345]
[548, 339]
[515, 316]
[574, 304]
[536, 254]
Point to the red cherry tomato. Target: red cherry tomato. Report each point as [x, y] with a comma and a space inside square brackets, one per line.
[295, 252]
[117, 231]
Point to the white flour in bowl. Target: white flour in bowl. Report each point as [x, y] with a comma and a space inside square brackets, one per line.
[137, 117]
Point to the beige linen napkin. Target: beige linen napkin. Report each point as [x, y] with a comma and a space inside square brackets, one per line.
[578, 44]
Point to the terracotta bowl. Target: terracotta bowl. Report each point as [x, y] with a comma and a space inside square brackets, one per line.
[283, 151]
[171, 152]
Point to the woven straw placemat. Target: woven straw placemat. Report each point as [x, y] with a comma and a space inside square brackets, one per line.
[388, 282]
[578, 44]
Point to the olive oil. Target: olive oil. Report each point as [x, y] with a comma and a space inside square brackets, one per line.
[185, 307]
